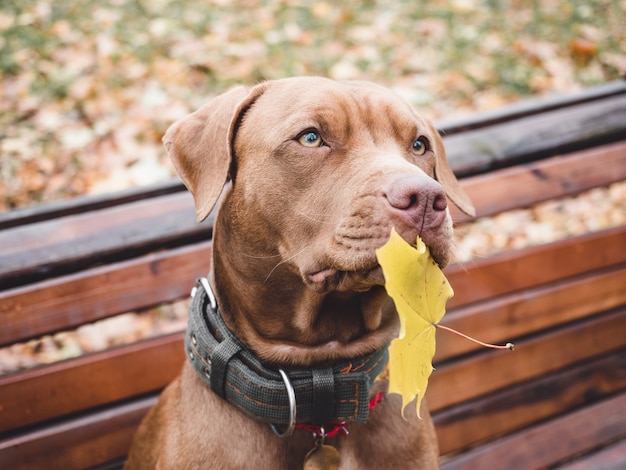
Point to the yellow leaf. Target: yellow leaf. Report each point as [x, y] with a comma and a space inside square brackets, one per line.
[420, 292]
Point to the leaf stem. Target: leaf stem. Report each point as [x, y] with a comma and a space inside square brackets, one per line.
[509, 346]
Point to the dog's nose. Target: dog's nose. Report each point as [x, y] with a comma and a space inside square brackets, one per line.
[419, 199]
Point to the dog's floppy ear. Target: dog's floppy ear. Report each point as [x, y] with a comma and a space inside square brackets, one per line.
[200, 145]
[445, 176]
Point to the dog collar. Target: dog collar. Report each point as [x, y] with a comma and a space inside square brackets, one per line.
[314, 396]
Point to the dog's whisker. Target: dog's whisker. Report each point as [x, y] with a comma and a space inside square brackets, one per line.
[323, 220]
[461, 257]
[281, 262]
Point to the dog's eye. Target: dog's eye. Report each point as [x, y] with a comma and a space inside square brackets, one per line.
[311, 139]
[420, 146]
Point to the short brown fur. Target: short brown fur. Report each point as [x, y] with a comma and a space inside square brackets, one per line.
[293, 268]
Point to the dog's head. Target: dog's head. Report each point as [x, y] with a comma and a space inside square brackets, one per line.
[324, 169]
[320, 171]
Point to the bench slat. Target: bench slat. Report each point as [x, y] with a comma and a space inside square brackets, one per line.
[89, 381]
[512, 271]
[508, 317]
[531, 107]
[70, 301]
[489, 371]
[55, 247]
[549, 443]
[537, 136]
[80, 442]
[556, 177]
[612, 457]
[516, 407]
[86, 203]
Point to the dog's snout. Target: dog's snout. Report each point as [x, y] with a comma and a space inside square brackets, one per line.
[416, 194]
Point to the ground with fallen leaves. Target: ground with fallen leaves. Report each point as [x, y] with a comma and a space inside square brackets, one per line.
[88, 88]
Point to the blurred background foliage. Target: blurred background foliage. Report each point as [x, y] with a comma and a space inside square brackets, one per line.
[87, 88]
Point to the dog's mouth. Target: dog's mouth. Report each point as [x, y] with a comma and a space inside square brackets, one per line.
[356, 279]
[333, 279]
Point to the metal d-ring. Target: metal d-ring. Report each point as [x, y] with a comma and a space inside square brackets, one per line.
[291, 394]
[209, 292]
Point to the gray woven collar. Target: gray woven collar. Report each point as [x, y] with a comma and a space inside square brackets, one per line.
[322, 396]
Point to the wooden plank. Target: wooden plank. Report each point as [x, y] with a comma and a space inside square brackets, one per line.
[531, 402]
[612, 457]
[530, 107]
[70, 301]
[551, 442]
[88, 203]
[531, 183]
[44, 235]
[507, 317]
[80, 442]
[89, 381]
[37, 251]
[523, 269]
[538, 136]
[489, 371]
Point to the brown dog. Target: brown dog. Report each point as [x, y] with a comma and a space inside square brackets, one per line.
[320, 172]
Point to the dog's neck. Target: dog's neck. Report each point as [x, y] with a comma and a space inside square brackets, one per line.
[283, 321]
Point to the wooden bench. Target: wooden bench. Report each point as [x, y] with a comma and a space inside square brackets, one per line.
[559, 399]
